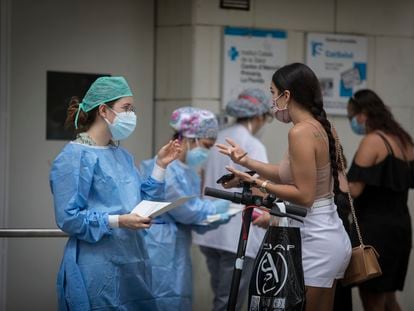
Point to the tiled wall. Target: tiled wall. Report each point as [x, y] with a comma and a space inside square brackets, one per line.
[189, 47]
[189, 42]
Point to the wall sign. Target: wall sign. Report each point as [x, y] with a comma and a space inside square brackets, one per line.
[251, 56]
[340, 63]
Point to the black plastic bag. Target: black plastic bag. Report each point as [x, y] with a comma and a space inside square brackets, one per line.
[277, 280]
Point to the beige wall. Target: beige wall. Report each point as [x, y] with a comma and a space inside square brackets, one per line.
[118, 37]
[94, 36]
[198, 30]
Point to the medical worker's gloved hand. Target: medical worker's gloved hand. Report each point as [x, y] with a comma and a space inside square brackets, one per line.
[224, 218]
[222, 206]
[134, 221]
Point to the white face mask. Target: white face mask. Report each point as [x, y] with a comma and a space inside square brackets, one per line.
[281, 114]
[123, 125]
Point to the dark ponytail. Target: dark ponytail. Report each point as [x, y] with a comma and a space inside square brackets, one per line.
[304, 88]
[85, 119]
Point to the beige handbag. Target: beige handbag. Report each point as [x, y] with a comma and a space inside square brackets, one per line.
[363, 265]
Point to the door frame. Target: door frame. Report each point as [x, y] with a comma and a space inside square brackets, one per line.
[5, 16]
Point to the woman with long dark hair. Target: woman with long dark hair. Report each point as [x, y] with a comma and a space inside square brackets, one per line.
[306, 176]
[379, 178]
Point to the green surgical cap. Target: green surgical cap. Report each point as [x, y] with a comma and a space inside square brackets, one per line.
[103, 90]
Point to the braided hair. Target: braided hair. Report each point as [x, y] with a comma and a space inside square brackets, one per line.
[304, 88]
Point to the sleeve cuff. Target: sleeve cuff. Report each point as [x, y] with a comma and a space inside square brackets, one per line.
[113, 221]
[158, 173]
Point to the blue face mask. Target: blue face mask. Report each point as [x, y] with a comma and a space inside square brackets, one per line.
[358, 129]
[123, 125]
[196, 157]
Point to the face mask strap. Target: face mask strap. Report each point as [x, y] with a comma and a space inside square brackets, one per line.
[106, 120]
[277, 98]
[249, 126]
[188, 143]
[116, 113]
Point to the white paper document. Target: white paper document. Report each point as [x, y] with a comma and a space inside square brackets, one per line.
[153, 208]
[233, 210]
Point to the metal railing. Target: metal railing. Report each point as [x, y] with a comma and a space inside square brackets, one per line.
[32, 233]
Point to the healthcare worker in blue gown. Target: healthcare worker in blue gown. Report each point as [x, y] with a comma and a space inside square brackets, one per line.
[169, 238]
[95, 185]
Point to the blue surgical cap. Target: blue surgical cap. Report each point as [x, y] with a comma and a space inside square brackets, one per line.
[103, 90]
[194, 122]
[250, 103]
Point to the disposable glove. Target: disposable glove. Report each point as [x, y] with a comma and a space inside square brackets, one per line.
[224, 218]
[222, 206]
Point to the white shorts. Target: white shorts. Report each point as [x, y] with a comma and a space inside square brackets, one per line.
[326, 248]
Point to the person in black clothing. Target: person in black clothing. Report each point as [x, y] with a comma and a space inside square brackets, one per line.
[379, 179]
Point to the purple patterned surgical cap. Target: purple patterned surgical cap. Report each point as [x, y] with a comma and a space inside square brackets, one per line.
[194, 122]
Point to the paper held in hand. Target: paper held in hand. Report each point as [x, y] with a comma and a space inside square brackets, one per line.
[153, 209]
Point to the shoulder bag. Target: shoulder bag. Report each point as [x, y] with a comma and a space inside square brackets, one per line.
[363, 265]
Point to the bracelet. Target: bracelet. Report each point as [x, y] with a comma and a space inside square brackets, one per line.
[263, 186]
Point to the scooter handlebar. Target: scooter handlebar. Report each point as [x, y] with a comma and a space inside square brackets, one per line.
[296, 210]
[226, 195]
[237, 197]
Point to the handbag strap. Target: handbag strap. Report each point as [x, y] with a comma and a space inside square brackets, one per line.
[283, 221]
[351, 204]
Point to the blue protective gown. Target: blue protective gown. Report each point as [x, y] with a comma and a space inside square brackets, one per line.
[169, 238]
[102, 268]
